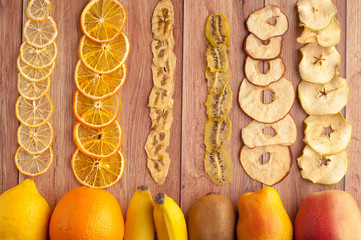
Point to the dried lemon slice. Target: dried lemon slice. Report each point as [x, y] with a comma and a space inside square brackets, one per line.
[33, 164]
[34, 74]
[97, 172]
[163, 20]
[217, 133]
[35, 140]
[40, 34]
[32, 90]
[219, 166]
[262, 50]
[34, 113]
[219, 105]
[38, 57]
[98, 86]
[217, 29]
[104, 57]
[38, 10]
[217, 81]
[217, 58]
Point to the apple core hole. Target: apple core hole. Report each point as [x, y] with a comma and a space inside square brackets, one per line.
[267, 96]
[264, 158]
[327, 131]
[272, 21]
[269, 131]
[265, 42]
[324, 161]
[263, 67]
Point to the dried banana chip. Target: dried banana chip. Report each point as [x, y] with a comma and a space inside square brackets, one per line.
[323, 170]
[160, 98]
[219, 166]
[217, 58]
[161, 50]
[217, 29]
[217, 133]
[163, 20]
[161, 119]
[163, 75]
[217, 81]
[271, 172]
[219, 105]
[276, 71]
[285, 133]
[327, 134]
[159, 168]
[262, 50]
[157, 143]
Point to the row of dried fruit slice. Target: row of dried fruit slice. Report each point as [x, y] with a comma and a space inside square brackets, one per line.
[99, 74]
[323, 93]
[273, 129]
[34, 107]
[217, 131]
[160, 98]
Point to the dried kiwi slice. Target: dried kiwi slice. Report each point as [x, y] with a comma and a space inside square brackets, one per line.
[217, 133]
[157, 143]
[217, 58]
[161, 50]
[158, 168]
[160, 98]
[163, 20]
[217, 81]
[218, 105]
[163, 75]
[161, 118]
[217, 29]
[219, 166]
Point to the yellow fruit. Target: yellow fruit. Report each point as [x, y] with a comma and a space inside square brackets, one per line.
[32, 90]
[24, 213]
[38, 10]
[103, 20]
[97, 172]
[34, 74]
[34, 113]
[139, 224]
[33, 165]
[87, 213]
[96, 113]
[98, 86]
[38, 57]
[35, 140]
[40, 34]
[99, 143]
[104, 57]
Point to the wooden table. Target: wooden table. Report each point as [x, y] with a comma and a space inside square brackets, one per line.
[187, 180]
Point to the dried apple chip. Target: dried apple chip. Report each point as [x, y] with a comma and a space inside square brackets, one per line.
[327, 134]
[259, 22]
[161, 50]
[217, 58]
[283, 96]
[219, 105]
[217, 133]
[219, 166]
[262, 50]
[217, 29]
[163, 74]
[271, 172]
[217, 81]
[285, 133]
[318, 64]
[323, 170]
[158, 168]
[322, 99]
[275, 72]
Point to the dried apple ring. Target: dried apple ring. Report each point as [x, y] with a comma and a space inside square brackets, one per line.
[219, 105]
[276, 71]
[259, 23]
[323, 170]
[217, 133]
[262, 50]
[217, 29]
[217, 58]
[249, 99]
[285, 133]
[271, 172]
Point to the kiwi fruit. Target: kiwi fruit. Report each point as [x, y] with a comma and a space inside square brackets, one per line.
[212, 217]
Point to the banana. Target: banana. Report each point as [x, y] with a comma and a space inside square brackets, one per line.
[139, 224]
[169, 219]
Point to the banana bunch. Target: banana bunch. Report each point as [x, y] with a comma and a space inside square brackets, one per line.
[143, 217]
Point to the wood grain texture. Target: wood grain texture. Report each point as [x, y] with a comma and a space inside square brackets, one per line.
[187, 179]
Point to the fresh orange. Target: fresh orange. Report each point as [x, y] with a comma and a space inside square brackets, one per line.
[99, 143]
[98, 86]
[87, 213]
[34, 74]
[34, 113]
[35, 140]
[104, 57]
[40, 34]
[103, 20]
[32, 90]
[38, 10]
[38, 57]
[97, 172]
[33, 165]
[96, 113]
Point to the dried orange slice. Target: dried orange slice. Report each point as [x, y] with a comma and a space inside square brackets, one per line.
[98, 86]
[38, 57]
[34, 74]
[38, 10]
[35, 140]
[97, 172]
[104, 57]
[34, 113]
[96, 113]
[40, 34]
[32, 90]
[99, 143]
[33, 165]
[103, 20]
